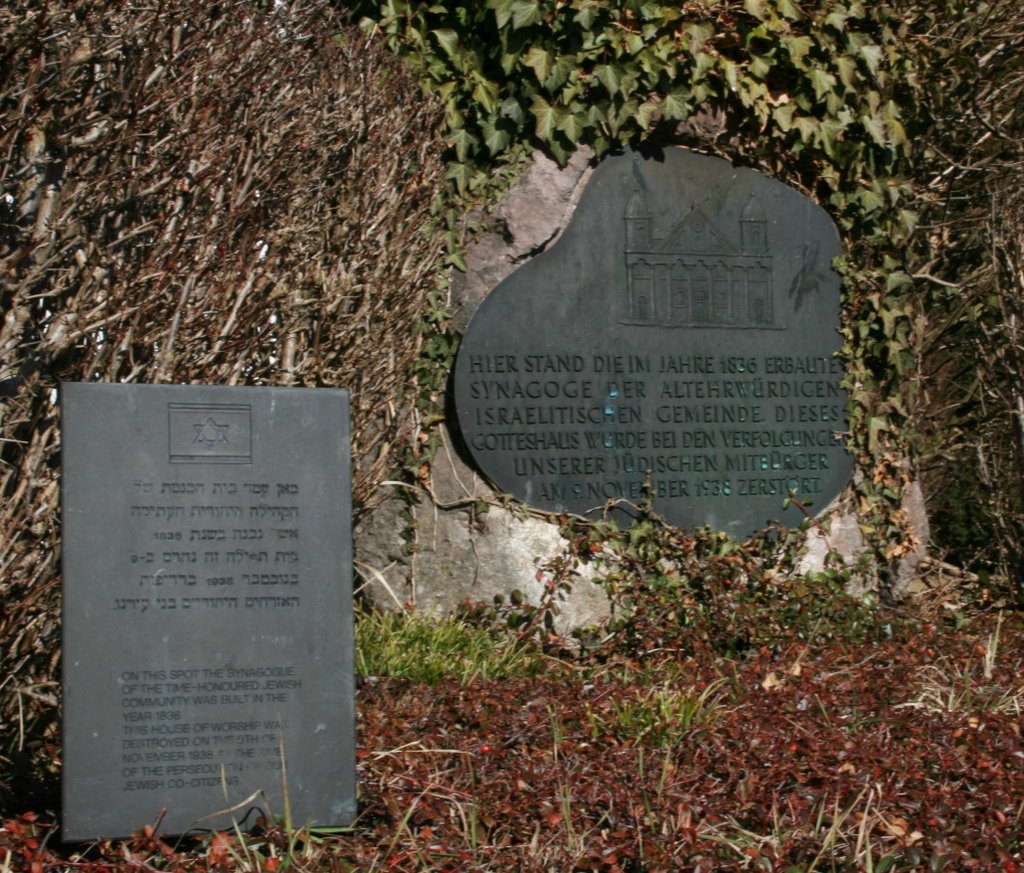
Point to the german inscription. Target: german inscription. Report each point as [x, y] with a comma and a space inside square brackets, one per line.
[207, 605]
[676, 345]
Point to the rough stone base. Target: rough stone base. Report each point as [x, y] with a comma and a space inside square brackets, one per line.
[843, 537]
[437, 556]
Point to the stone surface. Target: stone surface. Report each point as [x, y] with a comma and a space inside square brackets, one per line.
[916, 513]
[528, 220]
[443, 552]
[207, 606]
[676, 344]
[843, 537]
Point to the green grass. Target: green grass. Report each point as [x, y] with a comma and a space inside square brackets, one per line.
[661, 715]
[418, 647]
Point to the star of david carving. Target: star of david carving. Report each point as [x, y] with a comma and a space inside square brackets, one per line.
[209, 433]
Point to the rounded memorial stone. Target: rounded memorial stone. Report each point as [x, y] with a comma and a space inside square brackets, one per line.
[676, 346]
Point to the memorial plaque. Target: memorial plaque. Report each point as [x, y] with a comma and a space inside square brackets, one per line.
[207, 606]
[677, 343]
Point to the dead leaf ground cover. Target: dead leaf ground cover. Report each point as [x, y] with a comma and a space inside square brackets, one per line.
[900, 753]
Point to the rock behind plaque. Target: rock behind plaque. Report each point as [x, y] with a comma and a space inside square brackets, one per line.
[207, 607]
[676, 345]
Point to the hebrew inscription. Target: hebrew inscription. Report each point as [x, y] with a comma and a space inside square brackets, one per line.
[206, 548]
[677, 345]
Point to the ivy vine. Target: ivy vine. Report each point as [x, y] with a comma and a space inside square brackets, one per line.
[822, 95]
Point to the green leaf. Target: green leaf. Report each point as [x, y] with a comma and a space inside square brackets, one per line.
[456, 258]
[464, 143]
[460, 174]
[698, 35]
[502, 11]
[897, 133]
[496, 137]
[753, 94]
[485, 93]
[454, 117]
[894, 281]
[870, 200]
[889, 317]
[448, 39]
[789, 10]
[760, 66]
[847, 71]
[548, 117]
[563, 67]
[731, 74]
[837, 20]
[540, 60]
[783, 116]
[704, 63]
[876, 425]
[609, 75]
[647, 112]
[676, 104]
[875, 128]
[512, 109]
[650, 11]
[525, 13]
[509, 61]
[573, 124]
[822, 81]
[872, 55]
[634, 43]
[585, 17]
[558, 151]
[808, 127]
[908, 220]
[797, 47]
[755, 8]
[831, 133]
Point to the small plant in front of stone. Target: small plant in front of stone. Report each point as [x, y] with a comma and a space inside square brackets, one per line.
[701, 589]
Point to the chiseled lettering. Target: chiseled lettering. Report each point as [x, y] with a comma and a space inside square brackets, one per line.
[807, 413]
[566, 465]
[710, 414]
[687, 364]
[536, 389]
[493, 364]
[563, 363]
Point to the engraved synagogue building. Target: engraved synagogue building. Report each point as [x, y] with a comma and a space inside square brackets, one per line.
[696, 276]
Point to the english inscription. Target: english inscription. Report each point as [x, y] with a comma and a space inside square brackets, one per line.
[206, 549]
[676, 346]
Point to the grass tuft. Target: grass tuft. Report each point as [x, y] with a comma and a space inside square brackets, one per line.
[661, 716]
[970, 687]
[414, 646]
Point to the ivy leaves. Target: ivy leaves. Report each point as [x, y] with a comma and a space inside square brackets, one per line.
[556, 73]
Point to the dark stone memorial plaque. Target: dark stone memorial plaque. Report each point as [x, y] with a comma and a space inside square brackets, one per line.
[677, 342]
[207, 606]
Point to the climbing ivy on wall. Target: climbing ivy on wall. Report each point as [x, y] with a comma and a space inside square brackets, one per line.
[823, 95]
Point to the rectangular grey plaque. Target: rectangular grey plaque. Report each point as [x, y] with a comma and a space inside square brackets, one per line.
[207, 614]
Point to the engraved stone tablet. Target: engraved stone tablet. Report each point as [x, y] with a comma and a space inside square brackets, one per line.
[207, 607]
[678, 343]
